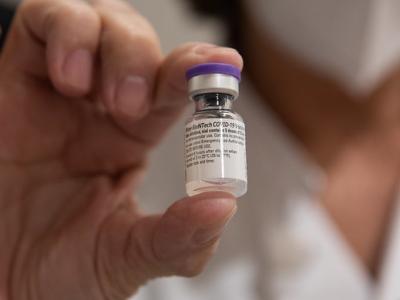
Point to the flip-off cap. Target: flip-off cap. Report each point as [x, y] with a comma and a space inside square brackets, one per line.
[213, 78]
[213, 68]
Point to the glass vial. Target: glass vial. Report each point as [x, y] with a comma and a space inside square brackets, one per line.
[215, 138]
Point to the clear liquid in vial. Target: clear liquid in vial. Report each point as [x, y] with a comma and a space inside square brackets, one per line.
[233, 186]
[216, 153]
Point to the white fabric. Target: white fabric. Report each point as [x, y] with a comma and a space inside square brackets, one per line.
[389, 287]
[356, 42]
[281, 245]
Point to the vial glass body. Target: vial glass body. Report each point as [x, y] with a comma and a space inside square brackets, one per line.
[215, 147]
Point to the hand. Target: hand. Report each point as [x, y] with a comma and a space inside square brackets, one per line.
[85, 94]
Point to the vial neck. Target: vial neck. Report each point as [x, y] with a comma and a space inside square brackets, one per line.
[213, 101]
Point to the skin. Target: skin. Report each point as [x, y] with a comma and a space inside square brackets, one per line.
[85, 94]
[356, 141]
[75, 143]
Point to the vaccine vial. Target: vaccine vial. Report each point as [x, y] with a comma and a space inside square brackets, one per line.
[215, 137]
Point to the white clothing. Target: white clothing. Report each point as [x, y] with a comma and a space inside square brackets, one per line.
[281, 245]
[355, 42]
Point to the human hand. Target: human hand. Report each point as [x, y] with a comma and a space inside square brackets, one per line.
[85, 94]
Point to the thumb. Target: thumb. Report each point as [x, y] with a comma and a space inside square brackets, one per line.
[180, 242]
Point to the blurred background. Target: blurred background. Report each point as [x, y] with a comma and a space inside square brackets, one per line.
[174, 25]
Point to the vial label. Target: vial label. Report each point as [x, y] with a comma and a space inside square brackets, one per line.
[215, 149]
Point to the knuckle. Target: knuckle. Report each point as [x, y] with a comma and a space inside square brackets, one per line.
[70, 13]
[129, 24]
[48, 18]
[142, 257]
[141, 35]
[147, 42]
[140, 43]
[73, 12]
[82, 12]
[116, 5]
[30, 7]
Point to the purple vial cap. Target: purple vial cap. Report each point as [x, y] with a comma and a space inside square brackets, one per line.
[213, 68]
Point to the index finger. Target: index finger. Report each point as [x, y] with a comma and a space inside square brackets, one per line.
[171, 90]
[56, 40]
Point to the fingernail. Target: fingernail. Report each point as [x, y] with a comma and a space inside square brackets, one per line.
[131, 96]
[207, 49]
[78, 69]
[204, 236]
[204, 48]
